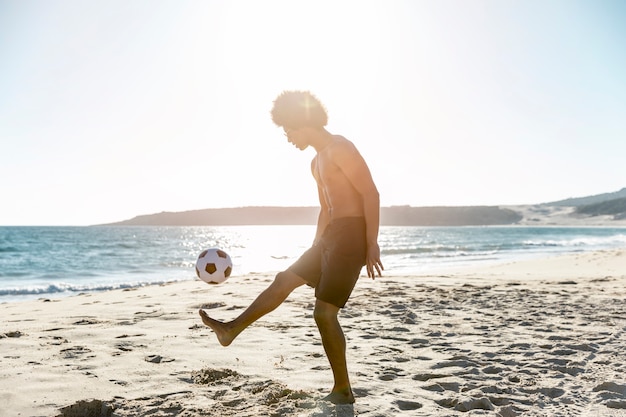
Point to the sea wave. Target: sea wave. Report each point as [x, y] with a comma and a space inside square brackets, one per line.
[584, 241]
[60, 288]
[8, 249]
[422, 250]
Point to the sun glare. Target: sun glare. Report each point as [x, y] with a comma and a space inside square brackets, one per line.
[296, 45]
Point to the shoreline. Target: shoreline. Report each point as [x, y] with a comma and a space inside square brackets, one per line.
[25, 294]
[40, 271]
[526, 337]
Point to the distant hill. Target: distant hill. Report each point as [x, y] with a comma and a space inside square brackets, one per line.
[615, 207]
[390, 216]
[227, 217]
[447, 216]
[582, 201]
[582, 210]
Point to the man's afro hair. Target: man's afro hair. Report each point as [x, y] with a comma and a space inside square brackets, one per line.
[295, 109]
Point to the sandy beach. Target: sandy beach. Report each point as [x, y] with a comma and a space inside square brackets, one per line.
[529, 338]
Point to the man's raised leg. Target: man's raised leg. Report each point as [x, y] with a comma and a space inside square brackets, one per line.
[284, 283]
[334, 343]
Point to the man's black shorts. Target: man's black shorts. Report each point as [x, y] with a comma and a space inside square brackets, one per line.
[334, 264]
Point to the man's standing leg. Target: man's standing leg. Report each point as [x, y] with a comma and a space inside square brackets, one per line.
[334, 343]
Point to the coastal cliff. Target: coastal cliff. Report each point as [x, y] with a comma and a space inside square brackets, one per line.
[390, 216]
[607, 209]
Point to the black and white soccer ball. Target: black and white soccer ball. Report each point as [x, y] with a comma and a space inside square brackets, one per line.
[214, 266]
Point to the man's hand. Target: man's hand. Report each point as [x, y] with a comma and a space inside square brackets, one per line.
[372, 261]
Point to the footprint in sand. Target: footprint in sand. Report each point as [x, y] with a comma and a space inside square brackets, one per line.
[427, 377]
[612, 394]
[443, 386]
[74, 352]
[55, 340]
[389, 374]
[148, 314]
[14, 334]
[418, 343]
[124, 336]
[407, 405]
[117, 382]
[86, 321]
[361, 392]
[615, 404]
[461, 363]
[128, 346]
[157, 359]
[466, 404]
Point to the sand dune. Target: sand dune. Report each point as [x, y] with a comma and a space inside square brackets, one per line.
[533, 338]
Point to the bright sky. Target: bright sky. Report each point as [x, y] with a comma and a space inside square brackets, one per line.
[118, 108]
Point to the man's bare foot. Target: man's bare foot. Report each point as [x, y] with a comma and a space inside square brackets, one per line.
[340, 397]
[222, 330]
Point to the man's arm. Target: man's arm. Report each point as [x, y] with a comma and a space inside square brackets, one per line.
[324, 216]
[356, 170]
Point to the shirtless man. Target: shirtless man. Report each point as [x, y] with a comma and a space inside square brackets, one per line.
[345, 240]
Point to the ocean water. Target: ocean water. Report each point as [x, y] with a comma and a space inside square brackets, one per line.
[59, 261]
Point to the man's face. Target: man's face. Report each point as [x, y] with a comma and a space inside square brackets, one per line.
[296, 137]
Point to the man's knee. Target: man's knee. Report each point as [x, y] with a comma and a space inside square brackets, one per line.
[325, 312]
[287, 281]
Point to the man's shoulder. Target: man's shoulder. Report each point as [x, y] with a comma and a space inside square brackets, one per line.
[340, 138]
[341, 144]
[342, 152]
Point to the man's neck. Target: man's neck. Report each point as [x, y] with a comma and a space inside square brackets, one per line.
[321, 139]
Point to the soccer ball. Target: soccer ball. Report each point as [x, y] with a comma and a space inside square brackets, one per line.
[213, 266]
